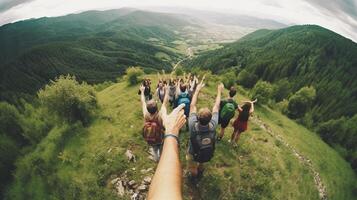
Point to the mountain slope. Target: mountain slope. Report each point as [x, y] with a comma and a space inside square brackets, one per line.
[95, 46]
[306, 55]
[261, 167]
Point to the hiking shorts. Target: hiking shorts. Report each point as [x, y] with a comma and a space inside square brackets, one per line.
[224, 122]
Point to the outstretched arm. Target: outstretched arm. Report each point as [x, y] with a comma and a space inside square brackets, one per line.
[252, 106]
[177, 88]
[193, 108]
[167, 180]
[218, 98]
[166, 99]
[142, 97]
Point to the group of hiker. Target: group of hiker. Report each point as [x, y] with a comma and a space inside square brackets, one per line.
[159, 127]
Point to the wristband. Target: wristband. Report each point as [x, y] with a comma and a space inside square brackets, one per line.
[174, 136]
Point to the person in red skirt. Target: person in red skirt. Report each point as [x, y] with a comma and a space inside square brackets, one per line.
[241, 123]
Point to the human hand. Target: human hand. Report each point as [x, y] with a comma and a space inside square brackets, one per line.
[175, 120]
[220, 87]
[142, 88]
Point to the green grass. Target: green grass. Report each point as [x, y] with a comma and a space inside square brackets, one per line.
[335, 172]
[260, 168]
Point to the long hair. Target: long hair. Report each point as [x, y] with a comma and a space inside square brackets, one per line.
[244, 115]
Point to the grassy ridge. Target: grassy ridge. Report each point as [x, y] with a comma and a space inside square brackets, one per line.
[260, 168]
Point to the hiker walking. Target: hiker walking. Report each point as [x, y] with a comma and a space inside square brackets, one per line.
[183, 97]
[227, 110]
[172, 92]
[153, 125]
[160, 91]
[147, 89]
[241, 123]
[202, 126]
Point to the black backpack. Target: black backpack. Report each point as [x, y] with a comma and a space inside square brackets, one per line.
[203, 143]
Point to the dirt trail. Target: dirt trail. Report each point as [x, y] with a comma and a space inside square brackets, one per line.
[307, 162]
[189, 53]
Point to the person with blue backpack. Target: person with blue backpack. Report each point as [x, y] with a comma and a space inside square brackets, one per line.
[202, 128]
[227, 111]
[183, 96]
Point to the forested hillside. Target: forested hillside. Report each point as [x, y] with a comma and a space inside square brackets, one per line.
[290, 59]
[96, 46]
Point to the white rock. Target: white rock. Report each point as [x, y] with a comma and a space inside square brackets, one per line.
[129, 154]
[142, 188]
[131, 183]
[114, 181]
[147, 180]
[120, 188]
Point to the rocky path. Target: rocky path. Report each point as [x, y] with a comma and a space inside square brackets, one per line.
[307, 162]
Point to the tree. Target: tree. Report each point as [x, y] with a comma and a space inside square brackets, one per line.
[262, 91]
[301, 102]
[281, 90]
[11, 123]
[133, 74]
[179, 71]
[246, 79]
[229, 79]
[68, 99]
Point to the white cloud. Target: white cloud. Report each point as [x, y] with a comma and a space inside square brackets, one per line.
[291, 12]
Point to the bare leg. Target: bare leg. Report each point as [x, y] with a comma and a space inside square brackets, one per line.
[236, 137]
[233, 135]
[222, 133]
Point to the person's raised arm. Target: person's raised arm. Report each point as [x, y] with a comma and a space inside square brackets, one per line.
[166, 99]
[167, 180]
[252, 106]
[239, 109]
[193, 108]
[177, 88]
[218, 98]
[142, 97]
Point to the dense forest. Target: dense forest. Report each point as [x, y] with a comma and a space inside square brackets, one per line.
[289, 59]
[96, 46]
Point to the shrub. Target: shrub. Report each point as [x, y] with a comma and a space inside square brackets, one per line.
[282, 106]
[179, 72]
[68, 99]
[229, 79]
[133, 75]
[301, 102]
[281, 90]
[11, 122]
[246, 79]
[262, 91]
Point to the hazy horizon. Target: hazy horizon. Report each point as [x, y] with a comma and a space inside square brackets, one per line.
[339, 16]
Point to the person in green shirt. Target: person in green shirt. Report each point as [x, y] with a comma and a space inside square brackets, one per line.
[227, 111]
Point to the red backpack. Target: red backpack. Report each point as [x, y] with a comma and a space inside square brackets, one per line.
[152, 132]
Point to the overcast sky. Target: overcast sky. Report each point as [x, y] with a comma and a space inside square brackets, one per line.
[337, 15]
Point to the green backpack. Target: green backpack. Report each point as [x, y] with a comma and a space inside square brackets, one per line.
[228, 111]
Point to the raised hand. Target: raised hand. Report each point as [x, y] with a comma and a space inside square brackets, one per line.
[142, 88]
[220, 87]
[175, 120]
